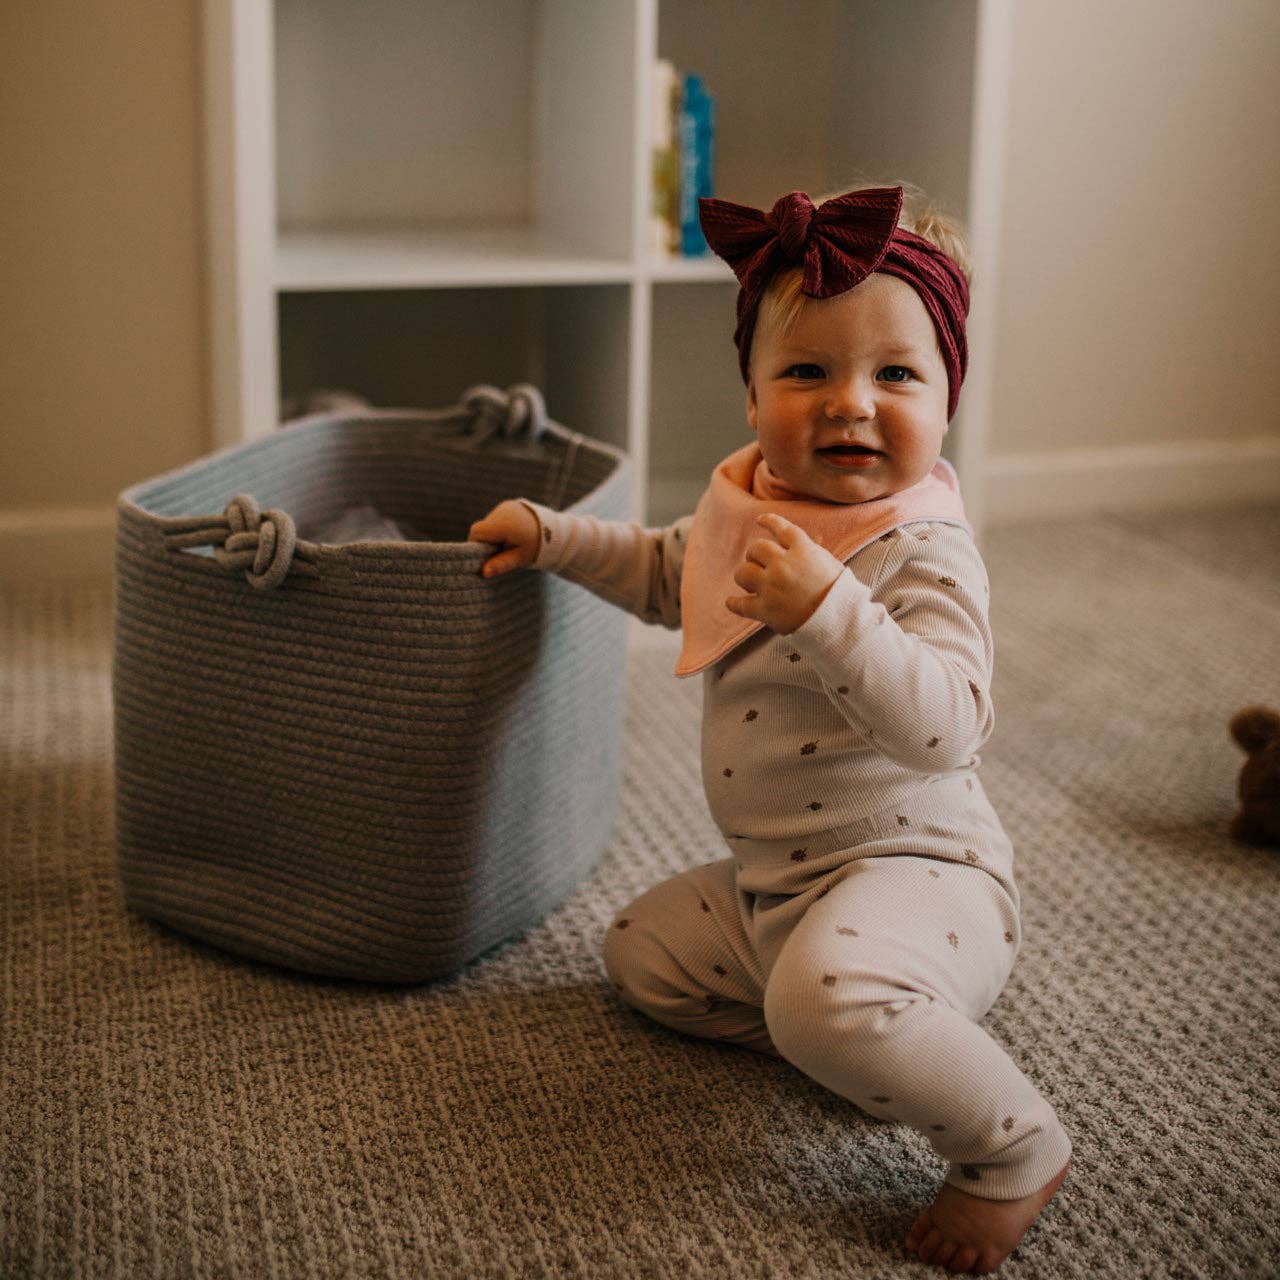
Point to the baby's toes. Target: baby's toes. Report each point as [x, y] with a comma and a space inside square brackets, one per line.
[964, 1258]
[919, 1229]
[927, 1250]
[943, 1254]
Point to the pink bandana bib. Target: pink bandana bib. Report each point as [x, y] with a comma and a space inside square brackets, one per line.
[742, 489]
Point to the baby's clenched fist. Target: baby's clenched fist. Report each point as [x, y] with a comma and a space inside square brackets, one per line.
[516, 530]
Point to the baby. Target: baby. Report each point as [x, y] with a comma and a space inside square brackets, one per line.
[830, 592]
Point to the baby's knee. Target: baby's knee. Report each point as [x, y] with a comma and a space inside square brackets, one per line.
[643, 972]
[814, 1014]
[625, 946]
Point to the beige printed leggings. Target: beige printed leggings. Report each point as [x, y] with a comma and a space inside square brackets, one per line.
[872, 982]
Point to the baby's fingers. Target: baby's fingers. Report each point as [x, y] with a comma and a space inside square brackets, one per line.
[744, 606]
[783, 531]
[504, 561]
[748, 575]
[490, 528]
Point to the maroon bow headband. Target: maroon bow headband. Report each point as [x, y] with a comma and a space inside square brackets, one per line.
[838, 244]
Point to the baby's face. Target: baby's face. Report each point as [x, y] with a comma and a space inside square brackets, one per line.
[851, 404]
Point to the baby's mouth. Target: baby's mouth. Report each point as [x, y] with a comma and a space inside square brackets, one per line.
[848, 457]
[848, 451]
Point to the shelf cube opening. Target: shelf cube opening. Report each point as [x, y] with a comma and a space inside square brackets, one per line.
[423, 348]
[447, 114]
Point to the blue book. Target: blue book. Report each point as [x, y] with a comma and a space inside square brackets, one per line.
[697, 161]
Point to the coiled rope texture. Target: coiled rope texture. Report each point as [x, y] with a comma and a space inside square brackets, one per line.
[363, 760]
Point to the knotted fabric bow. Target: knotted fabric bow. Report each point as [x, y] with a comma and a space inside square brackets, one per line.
[838, 244]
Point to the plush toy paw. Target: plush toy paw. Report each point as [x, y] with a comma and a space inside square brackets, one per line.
[1257, 730]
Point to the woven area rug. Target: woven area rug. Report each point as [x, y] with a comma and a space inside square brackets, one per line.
[168, 1110]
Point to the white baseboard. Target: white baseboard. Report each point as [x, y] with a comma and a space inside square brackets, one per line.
[1194, 473]
[67, 544]
[76, 543]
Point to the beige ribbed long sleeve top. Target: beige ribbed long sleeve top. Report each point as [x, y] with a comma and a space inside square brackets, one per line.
[883, 691]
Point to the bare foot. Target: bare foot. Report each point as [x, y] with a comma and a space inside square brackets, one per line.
[966, 1233]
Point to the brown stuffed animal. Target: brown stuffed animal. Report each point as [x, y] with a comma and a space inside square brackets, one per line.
[1257, 730]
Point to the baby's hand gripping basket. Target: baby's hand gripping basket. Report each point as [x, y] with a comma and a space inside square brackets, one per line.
[363, 760]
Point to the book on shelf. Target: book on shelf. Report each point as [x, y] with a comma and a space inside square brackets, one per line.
[684, 121]
[664, 214]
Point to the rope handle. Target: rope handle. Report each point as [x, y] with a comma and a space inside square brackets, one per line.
[264, 545]
[520, 409]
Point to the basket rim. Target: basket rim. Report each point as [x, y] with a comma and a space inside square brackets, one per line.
[130, 502]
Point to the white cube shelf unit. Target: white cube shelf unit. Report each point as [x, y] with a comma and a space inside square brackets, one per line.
[410, 196]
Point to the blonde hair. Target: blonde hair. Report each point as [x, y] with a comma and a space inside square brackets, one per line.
[782, 301]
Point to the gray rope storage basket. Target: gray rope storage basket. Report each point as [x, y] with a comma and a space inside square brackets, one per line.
[363, 760]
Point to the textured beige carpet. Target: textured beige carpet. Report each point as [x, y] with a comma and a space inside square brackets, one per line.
[166, 1110]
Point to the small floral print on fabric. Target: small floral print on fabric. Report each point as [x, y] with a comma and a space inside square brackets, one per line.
[970, 856]
[719, 969]
[622, 924]
[972, 1173]
[728, 773]
[933, 742]
[968, 784]
[828, 979]
[815, 805]
[938, 1128]
[844, 688]
[954, 939]
[903, 822]
[546, 534]
[1008, 1124]
[702, 902]
[750, 716]
[1008, 936]
[946, 581]
[797, 855]
[808, 749]
[847, 933]
[937, 875]
[793, 657]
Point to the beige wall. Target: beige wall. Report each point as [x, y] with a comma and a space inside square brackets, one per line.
[101, 366]
[1139, 298]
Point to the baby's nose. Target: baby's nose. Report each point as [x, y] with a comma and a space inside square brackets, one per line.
[850, 400]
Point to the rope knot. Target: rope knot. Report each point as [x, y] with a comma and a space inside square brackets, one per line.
[518, 409]
[793, 212]
[261, 543]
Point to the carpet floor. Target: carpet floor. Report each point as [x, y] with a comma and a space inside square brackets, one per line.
[169, 1110]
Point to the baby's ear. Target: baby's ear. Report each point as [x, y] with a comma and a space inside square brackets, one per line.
[751, 404]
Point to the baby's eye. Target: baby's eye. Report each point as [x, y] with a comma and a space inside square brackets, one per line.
[808, 371]
[896, 373]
